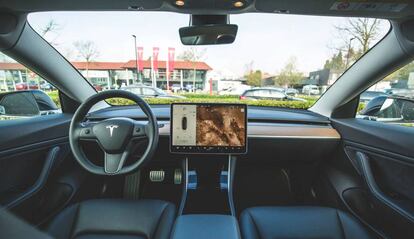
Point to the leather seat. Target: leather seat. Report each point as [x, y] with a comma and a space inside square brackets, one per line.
[299, 222]
[115, 219]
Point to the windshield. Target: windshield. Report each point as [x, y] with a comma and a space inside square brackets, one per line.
[299, 56]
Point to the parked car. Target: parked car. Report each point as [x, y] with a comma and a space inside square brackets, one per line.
[176, 88]
[26, 86]
[149, 92]
[189, 88]
[46, 87]
[262, 93]
[237, 90]
[409, 93]
[291, 91]
[310, 90]
[97, 87]
[369, 95]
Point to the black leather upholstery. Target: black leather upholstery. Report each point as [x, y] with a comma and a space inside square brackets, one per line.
[13, 227]
[206, 226]
[300, 222]
[113, 219]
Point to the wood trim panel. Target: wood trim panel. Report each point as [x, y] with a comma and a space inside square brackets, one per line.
[278, 130]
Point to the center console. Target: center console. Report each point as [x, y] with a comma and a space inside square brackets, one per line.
[209, 137]
[208, 184]
[206, 226]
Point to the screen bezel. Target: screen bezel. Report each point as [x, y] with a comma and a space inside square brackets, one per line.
[208, 149]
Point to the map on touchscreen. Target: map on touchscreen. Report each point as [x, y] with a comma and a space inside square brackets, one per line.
[212, 125]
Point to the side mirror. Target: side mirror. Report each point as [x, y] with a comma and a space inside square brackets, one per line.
[19, 103]
[389, 109]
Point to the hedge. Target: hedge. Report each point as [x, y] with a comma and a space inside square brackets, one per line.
[208, 96]
[272, 103]
[205, 98]
[54, 95]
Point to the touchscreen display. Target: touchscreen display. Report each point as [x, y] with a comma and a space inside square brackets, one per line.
[208, 128]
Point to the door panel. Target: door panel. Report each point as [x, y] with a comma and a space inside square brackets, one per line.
[376, 135]
[23, 181]
[33, 152]
[21, 134]
[383, 158]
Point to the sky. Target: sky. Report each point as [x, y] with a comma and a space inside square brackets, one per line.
[267, 40]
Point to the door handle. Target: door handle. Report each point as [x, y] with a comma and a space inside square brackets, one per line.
[375, 189]
[51, 157]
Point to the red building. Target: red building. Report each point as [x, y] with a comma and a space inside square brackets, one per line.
[111, 74]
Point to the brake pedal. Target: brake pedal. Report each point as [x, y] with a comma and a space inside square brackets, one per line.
[157, 176]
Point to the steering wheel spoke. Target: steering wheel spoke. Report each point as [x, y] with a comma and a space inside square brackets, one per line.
[114, 162]
[140, 130]
[85, 132]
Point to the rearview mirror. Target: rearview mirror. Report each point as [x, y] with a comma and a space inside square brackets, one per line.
[2, 110]
[212, 34]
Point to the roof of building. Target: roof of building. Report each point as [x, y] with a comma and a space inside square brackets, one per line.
[98, 65]
[185, 65]
[11, 66]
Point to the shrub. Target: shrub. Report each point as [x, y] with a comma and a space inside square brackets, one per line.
[208, 96]
[271, 103]
[205, 98]
[54, 95]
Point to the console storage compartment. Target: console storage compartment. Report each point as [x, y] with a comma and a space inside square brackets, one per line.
[206, 226]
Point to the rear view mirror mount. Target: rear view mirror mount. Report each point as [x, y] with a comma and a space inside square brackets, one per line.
[208, 30]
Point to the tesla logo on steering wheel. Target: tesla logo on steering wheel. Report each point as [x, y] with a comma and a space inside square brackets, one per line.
[111, 129]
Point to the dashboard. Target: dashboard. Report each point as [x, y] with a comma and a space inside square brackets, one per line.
[277, 130]
[263, 122]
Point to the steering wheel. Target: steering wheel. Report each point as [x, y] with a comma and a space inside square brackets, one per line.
[117, 137]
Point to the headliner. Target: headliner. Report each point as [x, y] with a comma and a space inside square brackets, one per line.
[305, 7]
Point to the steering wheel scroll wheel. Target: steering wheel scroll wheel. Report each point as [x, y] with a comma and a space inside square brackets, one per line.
[118, 137]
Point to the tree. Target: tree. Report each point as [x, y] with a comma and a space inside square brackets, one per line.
[402, 73]
[289, 75]
[193, 55]
[87, 51]
[248, 67]
[51, 27]
[254, 78]
[363, 30]
[336, 63]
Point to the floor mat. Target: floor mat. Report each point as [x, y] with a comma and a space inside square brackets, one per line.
[167, 190]
[261, 185]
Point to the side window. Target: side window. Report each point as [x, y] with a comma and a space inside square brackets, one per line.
[23, 93]
[249, 93]
[148, 91]
[261, 93]
[390, 100]
[277, 94]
